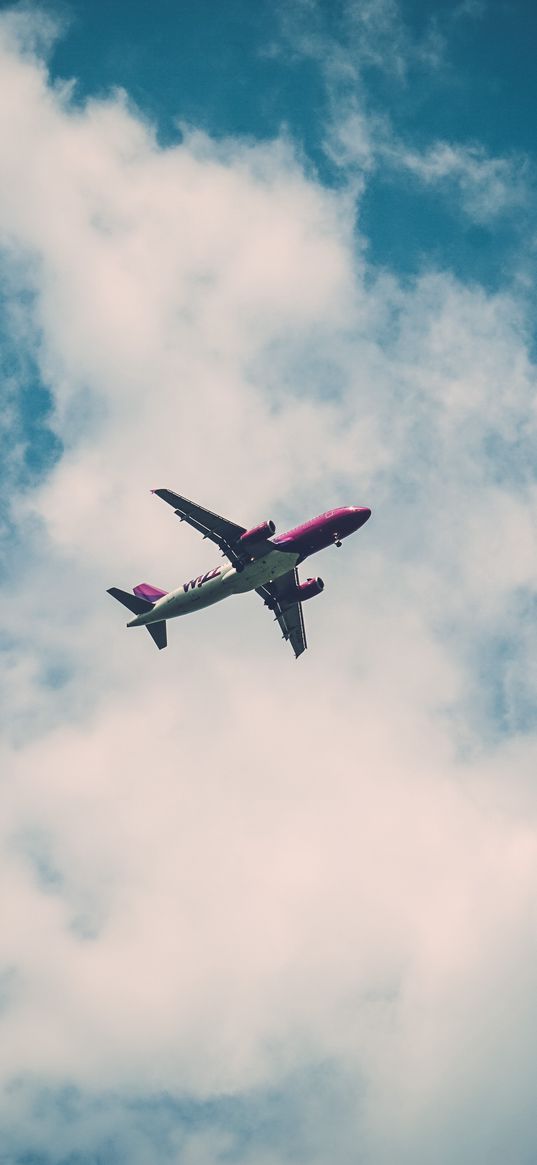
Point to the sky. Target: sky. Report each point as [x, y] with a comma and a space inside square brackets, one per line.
[277, 257]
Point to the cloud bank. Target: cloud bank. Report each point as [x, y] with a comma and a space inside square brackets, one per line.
[238, 891]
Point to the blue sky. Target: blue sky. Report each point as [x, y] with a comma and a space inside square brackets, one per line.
[239, 68]
[277, 257]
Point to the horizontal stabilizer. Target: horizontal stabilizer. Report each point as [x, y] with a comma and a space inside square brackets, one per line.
[157, 632]
[134, 602]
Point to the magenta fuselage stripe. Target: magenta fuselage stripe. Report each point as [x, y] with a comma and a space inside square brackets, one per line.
[323, 531]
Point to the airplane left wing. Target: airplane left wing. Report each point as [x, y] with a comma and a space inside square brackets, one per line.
[226, 534]
[287, 611]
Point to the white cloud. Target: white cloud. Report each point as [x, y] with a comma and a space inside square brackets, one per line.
[256, 864]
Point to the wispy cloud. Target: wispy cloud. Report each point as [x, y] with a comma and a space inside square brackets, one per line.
[483, 187]
[360, 35]
[471, 181]
[362, 137]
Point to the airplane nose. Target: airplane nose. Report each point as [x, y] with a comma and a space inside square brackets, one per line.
[362, 514]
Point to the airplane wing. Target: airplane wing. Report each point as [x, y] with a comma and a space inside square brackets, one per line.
[287, 612]
[225, 534]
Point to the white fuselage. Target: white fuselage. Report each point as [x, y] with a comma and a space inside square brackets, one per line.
[217, 584]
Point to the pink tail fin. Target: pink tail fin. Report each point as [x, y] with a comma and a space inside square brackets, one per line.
[146, 591]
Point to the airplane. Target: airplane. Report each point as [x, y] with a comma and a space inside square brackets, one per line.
[257, 561]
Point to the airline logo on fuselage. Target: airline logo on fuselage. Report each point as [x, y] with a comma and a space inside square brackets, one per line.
[201, 579]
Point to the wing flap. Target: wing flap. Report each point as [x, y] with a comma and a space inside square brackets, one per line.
[287, 610]
[221, 531]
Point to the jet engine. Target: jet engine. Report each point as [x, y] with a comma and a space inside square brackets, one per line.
[306, 590]
[257, 534]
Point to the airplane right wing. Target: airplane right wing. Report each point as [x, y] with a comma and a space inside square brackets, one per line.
[287, 611]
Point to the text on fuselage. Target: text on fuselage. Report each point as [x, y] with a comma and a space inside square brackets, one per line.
[201, 579]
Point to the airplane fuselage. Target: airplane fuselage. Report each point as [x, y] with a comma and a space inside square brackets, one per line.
[284, 552]
[217, 584]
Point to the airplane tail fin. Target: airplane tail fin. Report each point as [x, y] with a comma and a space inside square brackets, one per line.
[138, 605]
[149, 592]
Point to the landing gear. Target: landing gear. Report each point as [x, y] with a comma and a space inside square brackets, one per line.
[338, 543]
